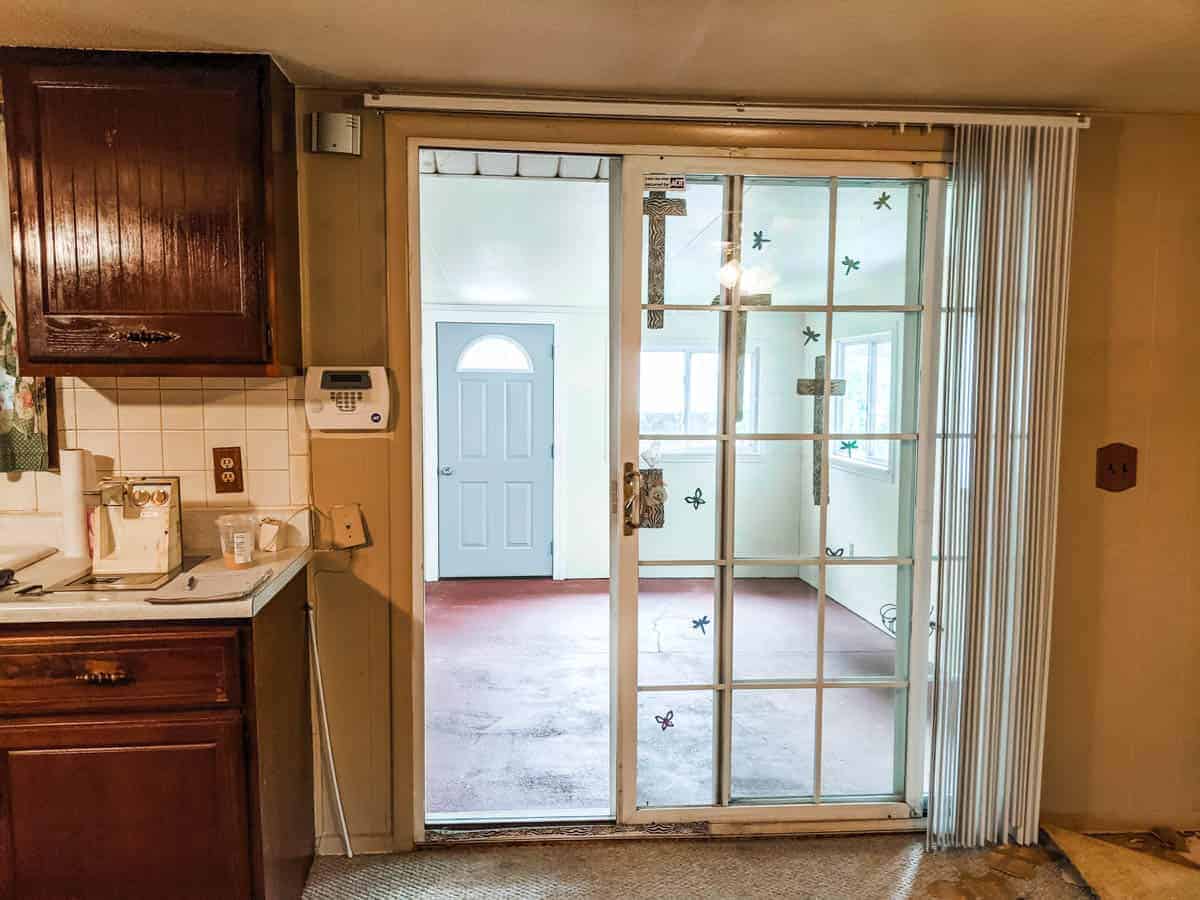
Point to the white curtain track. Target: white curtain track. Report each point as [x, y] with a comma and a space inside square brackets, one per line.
[1004, 328]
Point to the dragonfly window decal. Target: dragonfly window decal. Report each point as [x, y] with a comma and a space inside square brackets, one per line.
[760, 238]
[882, 202]
[848, 447]
[850, 264]
[701, 623]
[810, 335]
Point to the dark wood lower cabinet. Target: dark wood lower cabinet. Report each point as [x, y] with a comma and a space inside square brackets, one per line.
[179, 802]
[141, 807]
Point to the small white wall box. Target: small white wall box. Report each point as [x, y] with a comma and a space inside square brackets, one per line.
[334, 132]
[350, 398]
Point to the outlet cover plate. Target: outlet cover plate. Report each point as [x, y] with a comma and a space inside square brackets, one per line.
[227, 470]
[1116, 467]
[348, 528]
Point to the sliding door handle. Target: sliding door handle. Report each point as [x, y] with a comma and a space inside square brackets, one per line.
[632, 486]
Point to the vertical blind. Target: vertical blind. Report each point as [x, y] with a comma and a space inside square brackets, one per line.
[1003, 343]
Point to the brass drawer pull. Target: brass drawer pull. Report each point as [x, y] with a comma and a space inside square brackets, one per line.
[113, 677]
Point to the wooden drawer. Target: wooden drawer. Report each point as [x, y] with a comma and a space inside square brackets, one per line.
[120, 671]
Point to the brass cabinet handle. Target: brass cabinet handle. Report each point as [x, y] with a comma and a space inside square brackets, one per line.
[146, 337]
[633, 498]
[104, 677]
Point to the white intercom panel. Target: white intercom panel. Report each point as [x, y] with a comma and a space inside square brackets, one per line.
[346, 398]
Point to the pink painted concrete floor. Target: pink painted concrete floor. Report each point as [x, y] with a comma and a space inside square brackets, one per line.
[517, 697]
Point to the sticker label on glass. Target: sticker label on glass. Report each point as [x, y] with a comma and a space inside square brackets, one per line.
[661, 182]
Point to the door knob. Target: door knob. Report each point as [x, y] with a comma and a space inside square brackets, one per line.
[446, 470]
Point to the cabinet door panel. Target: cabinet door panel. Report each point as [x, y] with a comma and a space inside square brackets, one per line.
[130, 808]
[140, 195]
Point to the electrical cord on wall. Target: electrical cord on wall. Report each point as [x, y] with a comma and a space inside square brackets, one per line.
[322, 714]
[319, 680]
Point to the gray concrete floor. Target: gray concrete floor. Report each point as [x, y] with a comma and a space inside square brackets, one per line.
[517, 697]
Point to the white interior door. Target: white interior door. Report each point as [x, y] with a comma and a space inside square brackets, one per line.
[495, 450]
[776, 371]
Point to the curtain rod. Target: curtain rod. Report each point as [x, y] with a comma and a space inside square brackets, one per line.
[723, 112]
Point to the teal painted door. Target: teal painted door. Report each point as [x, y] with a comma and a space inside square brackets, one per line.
[495, 450]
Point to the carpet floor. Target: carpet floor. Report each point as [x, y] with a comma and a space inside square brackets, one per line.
[517, 696]
[830, 868]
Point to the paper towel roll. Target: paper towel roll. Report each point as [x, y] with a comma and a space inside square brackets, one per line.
[77, 470]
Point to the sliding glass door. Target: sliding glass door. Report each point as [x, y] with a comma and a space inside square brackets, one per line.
[772, 469]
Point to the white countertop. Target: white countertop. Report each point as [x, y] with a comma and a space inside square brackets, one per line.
[131, 606]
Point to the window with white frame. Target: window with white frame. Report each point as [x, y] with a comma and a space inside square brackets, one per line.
[865, 362]
[680, 394]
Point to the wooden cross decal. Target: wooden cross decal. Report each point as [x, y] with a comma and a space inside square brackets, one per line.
[658, 207]
[815, 387]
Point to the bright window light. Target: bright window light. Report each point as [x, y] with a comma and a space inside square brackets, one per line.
[494, 353]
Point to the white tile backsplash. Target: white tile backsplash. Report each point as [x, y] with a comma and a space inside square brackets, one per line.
[183, 451]
[141, 451]
[182, 409]
[298, 478]
[266, 409]
[149, 425]
[267, 450]
[138, 409]
[297, 428]
[268, 488]
[96, 408]
[19, 491]
[224, 407]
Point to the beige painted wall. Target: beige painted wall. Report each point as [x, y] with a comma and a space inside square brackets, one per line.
[1123, 726]
[1123, 731]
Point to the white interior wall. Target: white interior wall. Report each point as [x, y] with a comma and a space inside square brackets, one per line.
[528, 251]
[508, 250]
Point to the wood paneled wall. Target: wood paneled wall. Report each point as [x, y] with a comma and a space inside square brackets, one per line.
[344, 281]
[1123, 723]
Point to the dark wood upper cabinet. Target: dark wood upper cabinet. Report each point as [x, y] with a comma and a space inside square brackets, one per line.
[154, 212]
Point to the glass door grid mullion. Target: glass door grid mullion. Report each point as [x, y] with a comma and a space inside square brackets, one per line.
[822, 447]
[731, 242]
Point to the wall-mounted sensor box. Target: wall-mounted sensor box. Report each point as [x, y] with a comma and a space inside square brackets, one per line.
[346, 398]
[334, 132]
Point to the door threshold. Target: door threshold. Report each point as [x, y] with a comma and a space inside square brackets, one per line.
[440, 836]
[515, 834]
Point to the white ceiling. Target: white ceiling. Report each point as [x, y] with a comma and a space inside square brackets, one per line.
[1092, 54]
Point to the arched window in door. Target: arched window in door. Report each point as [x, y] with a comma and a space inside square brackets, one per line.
[494, 353]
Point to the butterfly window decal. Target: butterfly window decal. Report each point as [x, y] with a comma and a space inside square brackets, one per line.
[848, 447]
[760, 239]
[701, 623]
[835, 554]
[850, 264]
[667, 721]
[810, 335]
[696, 500]
[882, 202]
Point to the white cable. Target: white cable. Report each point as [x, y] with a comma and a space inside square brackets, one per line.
[324, 719]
